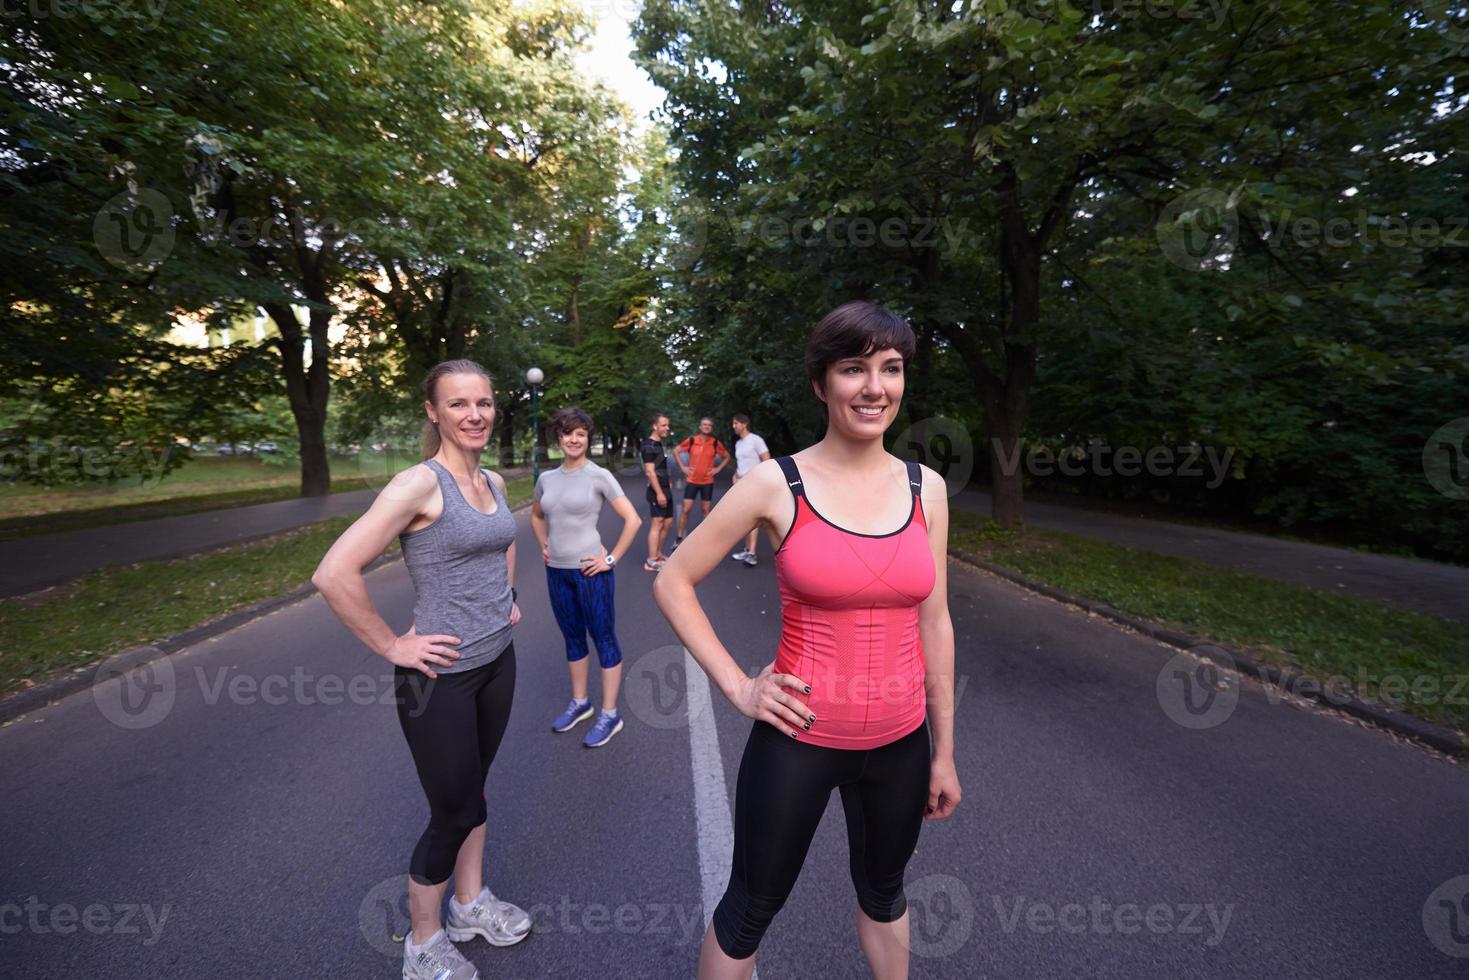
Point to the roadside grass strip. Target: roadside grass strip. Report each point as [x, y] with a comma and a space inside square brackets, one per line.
[112, 609]
[1414, 663]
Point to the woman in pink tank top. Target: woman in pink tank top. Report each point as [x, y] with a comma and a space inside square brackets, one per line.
[859, 698]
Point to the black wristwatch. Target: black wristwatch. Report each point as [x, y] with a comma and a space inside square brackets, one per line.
[514, 596]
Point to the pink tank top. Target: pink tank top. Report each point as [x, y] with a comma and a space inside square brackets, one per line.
[849, 621]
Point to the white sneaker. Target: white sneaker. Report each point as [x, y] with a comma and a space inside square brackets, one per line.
[437, 959]
[501, 923]
[739, 556]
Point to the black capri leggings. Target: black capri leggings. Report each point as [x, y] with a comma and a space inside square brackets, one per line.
[453, 723]
[783, 788]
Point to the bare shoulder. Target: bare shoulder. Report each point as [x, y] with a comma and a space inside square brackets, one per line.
[414, 483]
[765, 475]
[933, 484]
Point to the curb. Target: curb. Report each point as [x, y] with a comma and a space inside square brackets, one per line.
[76, 679]
[1294, 682]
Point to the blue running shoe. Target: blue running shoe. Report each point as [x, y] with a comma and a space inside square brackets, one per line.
[575, 713]
[602, 732]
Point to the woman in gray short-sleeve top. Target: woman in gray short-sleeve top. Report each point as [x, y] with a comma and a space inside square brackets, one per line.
[579, 570]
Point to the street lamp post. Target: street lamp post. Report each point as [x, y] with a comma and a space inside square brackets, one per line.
[535, 376]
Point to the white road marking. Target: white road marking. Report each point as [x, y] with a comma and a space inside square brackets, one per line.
[711, 797]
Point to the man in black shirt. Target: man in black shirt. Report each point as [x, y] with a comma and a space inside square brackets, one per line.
[660, 492]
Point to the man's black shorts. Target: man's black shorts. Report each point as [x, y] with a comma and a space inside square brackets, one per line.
[667, 509]
[698, 491]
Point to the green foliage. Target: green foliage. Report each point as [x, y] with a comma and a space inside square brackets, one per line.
[1052, 148]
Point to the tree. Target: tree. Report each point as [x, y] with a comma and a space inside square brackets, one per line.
[990, 121]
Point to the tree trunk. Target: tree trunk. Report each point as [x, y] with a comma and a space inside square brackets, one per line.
[505, 421]
[1006, 400]
[307, 389]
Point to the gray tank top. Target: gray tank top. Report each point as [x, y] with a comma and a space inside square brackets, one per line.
[460, 574]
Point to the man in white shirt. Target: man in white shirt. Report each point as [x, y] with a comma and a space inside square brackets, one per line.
[749, 451]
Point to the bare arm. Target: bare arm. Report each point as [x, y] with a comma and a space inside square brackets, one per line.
[499, 482]
[542, 532]
[339, 575]
[768, 697]
[652, 474]
[630, 524]
[721, 460]
[936, 633]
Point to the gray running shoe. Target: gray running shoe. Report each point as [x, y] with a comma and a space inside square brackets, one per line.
[438, 960]
[751, 560]
[740, 555]
[501, 923]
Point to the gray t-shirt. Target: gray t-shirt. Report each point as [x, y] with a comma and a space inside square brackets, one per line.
[572, 501]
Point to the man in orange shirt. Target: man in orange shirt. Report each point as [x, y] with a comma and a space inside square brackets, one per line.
[701, 457]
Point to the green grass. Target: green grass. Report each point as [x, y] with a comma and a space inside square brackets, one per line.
[195, 487]
[112, 609]
[1323, 634]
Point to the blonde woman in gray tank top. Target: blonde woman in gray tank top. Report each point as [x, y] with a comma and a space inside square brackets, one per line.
[454, 670]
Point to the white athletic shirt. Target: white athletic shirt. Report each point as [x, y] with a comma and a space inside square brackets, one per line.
[747, 453]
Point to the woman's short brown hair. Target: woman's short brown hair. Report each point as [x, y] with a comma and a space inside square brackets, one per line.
[568, 420]
[856, 329]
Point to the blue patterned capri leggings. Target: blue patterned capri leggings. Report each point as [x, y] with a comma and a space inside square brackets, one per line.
[583, 604]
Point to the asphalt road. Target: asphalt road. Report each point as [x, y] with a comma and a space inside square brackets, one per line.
[246, 809]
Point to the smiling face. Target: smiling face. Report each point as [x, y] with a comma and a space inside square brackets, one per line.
[706, 427]
[574, 443]
[464, 410]
[740, 428]
[862, 394]
[660, 427]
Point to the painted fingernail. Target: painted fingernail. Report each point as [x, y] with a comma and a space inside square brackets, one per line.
[808, 688]
[793, 734]
[811, 718]
[807, 726]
